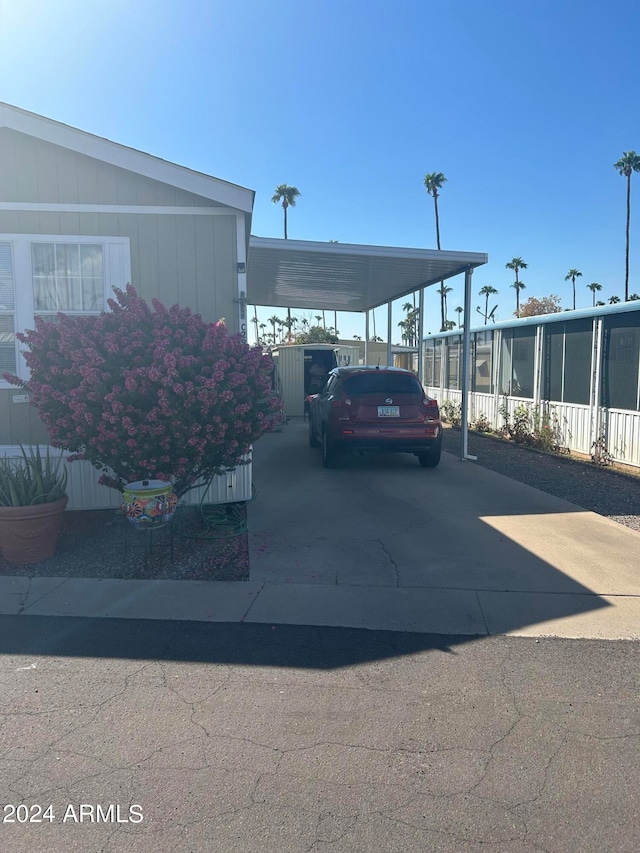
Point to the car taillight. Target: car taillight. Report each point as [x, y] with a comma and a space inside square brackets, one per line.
[340, 406]
[431, 410]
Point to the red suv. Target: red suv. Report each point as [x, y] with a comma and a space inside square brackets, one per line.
[382, 409]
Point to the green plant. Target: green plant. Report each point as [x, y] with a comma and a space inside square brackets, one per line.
[520, 429]
[34, 479]
[482, 424]
[599, 451]
[533, 426]
[451, 412]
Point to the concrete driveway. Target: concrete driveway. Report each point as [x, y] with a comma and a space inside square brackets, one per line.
[381, 543]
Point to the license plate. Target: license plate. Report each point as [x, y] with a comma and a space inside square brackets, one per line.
[388, 411]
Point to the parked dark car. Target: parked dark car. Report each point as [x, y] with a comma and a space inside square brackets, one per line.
[378, 409]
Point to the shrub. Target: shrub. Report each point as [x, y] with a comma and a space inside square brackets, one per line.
[482, 423]
[451, 412]
[147, 393]
[533, 427]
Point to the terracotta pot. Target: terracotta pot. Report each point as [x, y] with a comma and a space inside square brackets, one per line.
[29, 534]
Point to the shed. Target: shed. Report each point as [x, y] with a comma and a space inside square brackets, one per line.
[302, 370]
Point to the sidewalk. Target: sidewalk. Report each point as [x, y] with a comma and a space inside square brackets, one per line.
[383, 544]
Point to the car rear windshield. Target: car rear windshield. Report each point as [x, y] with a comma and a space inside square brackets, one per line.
[382, 383]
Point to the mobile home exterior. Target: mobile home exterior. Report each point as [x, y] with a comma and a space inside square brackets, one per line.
[581, 367]
[80, 215]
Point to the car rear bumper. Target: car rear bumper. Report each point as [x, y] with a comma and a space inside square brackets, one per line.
[361, 442]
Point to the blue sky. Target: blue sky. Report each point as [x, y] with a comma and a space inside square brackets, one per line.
[524, 105]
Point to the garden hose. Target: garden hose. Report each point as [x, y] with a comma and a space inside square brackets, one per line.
[219, 521]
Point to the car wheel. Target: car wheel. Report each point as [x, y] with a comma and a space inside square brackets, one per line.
[313, 440]
[329, 452]
[431, 459]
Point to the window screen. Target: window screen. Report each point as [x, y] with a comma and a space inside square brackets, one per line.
[620, 364]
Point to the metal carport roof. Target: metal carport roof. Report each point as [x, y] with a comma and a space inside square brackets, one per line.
[344, 276]
[352, 277]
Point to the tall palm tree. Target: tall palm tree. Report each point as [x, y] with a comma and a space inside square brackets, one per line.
[459, 311]
[519, 285]
[627, 165]
[433, 182]
[287, 196]
[263, 326]
[443, 291]
[403, 335]
[593, 287]
[318, 317]
[486, 291]
[274, 321]
[573, 275]
[516, 264]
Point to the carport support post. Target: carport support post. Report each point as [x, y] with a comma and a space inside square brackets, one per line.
[466, 358]
[421, 336]
[389, 321]
[366, 336]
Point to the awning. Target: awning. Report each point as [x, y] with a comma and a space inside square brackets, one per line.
[344, 276]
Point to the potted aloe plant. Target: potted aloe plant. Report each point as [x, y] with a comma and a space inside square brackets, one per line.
[32, 502]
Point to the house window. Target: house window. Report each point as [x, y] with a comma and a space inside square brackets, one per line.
[42, 275]
[621, 361]
[452, 380]
[7, 311]
[567, 361]
[67, 277]
[482, 362]
[516, 362]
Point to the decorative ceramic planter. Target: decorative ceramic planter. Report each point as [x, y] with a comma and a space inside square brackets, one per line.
[149, 504]
[29, 534]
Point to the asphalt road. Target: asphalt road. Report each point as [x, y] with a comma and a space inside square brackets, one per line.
[282, 738]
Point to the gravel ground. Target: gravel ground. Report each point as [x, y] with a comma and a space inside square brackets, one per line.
[103, 544]
[605, 490]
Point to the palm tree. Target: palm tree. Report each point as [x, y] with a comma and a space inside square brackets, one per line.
[516, 264]
[486, 291]
[443, 291]
[433, 181]
[274, 321]
[626, 165]
[411, 323]
[286, 195]
[403, 325]
[613, 300]
[459, 311]
[519, 285]
[573, 275]
[318, 317]
[593, 287]
[263, 326]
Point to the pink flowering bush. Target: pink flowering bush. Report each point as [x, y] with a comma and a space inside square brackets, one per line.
[148, 393]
